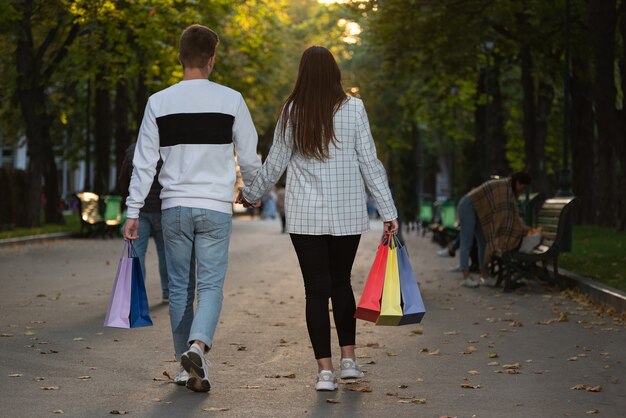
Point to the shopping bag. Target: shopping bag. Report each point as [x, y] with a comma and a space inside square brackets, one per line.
[391, 302]
[118, 312]
[368, 308]
[413, 308]
[139, 309]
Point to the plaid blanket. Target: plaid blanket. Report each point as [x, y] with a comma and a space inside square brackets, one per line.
[496, 208]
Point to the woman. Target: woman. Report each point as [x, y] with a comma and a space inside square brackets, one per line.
[323, 137]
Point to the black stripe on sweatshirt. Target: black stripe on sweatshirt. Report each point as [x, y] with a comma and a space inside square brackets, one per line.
[195, 128]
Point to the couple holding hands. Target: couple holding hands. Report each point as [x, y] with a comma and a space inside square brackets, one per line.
[323, 141]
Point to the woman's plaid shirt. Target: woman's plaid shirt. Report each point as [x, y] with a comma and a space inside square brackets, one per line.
[328, 197]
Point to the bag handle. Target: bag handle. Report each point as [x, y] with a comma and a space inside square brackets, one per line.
[128, 249]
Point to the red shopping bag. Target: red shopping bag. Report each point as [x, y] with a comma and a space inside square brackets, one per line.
[368, 308]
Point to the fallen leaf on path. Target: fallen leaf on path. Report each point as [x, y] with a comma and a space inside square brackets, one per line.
[390, 354]
[470, 349]
[512, 366]
[4, 334]
[493, 363]
[16, 375]
[166, 374]
[470, 386]
[157, 399]
[118, 412]
[215, 409]
[38, 379]
[278, 376]
[58, 411]
[580, 386]
[418, 331]
[563, 317]
[84, 377]
[402, 386]
[473, 372]
[371, 362]
[592, 411]
[333, 401]
[572, 358]
[250, 387]
[435, 352]
[50, 388]
[78, 339]
[450, 333]
[361, 389]
[492, 354]
[373, 345]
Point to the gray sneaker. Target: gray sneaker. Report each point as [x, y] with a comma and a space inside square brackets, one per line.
[326, 381]
[195, 364]
[182, 378]
[350, 370]
[470, 282]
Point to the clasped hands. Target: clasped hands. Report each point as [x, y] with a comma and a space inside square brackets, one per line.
[245, 203]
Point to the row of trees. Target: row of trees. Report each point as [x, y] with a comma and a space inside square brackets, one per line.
[479, 84]
[76, 74]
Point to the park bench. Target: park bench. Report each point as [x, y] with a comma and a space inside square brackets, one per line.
[514, 265]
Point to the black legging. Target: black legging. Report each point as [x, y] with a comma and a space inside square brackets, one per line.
[326, 264]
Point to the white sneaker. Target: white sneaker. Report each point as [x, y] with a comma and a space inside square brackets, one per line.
[182, 378]
[350, 370]
[489, 281]
[195, 364]
[470, 282]
[326, 380]
[443, 252]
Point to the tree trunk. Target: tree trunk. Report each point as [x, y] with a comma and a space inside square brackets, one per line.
[499, 163]
[528, 107]
[33, 108]
[476, 163]
[583, 140]
[602, 26]
[122, 134]
[141, 98]
[102, 137]
[545, 97]
[52, 210]
[622, 117]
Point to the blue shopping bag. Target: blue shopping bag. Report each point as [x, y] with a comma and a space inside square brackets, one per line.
[413, 308]
[139, 308]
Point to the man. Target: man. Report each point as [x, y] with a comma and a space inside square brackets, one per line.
[195, 126]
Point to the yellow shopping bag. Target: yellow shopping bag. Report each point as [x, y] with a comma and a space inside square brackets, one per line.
[390, 306]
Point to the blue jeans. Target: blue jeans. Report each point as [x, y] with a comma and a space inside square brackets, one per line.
[150, 224]
[205, 233]
[470, 229]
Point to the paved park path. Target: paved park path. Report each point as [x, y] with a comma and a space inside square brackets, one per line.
[478, 352]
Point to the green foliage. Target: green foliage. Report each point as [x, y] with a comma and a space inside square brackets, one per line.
[598, 253]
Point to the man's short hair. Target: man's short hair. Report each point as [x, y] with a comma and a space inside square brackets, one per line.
[197, 45]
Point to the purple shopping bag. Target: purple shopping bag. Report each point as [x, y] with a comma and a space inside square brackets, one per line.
[118, 313]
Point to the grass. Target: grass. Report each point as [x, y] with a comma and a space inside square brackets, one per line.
[598, 253]
[72, 224]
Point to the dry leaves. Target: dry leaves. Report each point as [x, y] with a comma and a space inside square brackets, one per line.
[278, 376]
[50, 388]
[579, 386]
[58, 411]
[118, 412]
[365, 389]
[470, 386]
[215, 409]
[333, 400]
[16, 375]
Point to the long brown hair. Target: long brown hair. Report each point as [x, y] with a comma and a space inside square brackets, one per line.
[310, 107]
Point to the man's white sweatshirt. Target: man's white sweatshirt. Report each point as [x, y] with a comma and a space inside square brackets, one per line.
[196, 127]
